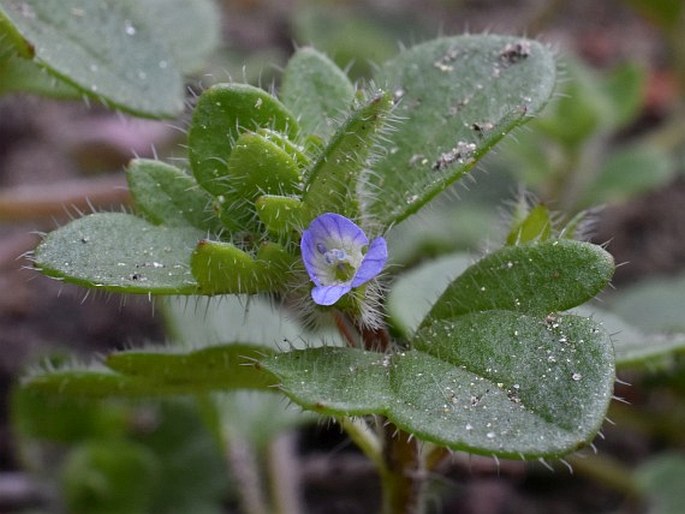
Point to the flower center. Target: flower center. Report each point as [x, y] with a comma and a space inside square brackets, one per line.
[339, 261]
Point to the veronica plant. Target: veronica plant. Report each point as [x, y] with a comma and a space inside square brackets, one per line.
[291, 197]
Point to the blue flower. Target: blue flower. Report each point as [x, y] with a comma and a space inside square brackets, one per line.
[338, 256]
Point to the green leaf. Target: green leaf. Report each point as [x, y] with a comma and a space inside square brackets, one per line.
[535, 278]
[188, 29]
[535, 226]
[333, 180]
[280, 214]
[653, 305]
[153, 373]
[230, 366]
[54, 417]
[635, 348]
[317, 90]
[624, 87]
[122, 53]
[22, 75]
[92, 382]
[221, 268]
[255, 167]
[221, 114]
[120, 252]
[165, 195]
[495, 383]
[295, 151]
[457, 97]
[628, 172]
[661, 479]
[118, 477]
[413, 294]
[334, 381]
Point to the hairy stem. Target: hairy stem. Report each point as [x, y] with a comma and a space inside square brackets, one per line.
[245, 469]
[403, 476]
[365, 439]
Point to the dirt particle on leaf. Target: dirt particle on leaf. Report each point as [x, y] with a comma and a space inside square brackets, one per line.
[513, 53]
[459, 153]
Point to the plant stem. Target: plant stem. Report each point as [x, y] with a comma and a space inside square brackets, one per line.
[399, 460]
[284, 475]
[245, 470]
[365, 439]
[403, 476]
[607, 471]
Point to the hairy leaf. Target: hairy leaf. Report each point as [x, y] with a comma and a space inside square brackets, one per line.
[221, 268]
[221, 114]
[537, 278]
[126, 54]
[165, 195]
[255, 167]
[496, 382]
[457, 97]
[333, 180]
[317, 90]
[120, 252]
[280, 214]
[536, 225]
[146, 373]
[230, 366]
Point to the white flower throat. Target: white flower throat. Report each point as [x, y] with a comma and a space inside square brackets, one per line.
[341, 264]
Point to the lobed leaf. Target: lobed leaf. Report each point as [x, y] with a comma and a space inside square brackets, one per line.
[536, 278]
[317, 90]
[457, 97]
[221, 114]
[120, 252]
[296, 152]
[496, 383]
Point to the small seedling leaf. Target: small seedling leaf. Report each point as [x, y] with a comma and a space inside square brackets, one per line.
[317, 90]
[120, 252]
[536, 278]
[222, 113]
[165, 195]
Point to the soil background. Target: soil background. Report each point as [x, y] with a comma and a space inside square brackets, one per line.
[60, 154]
